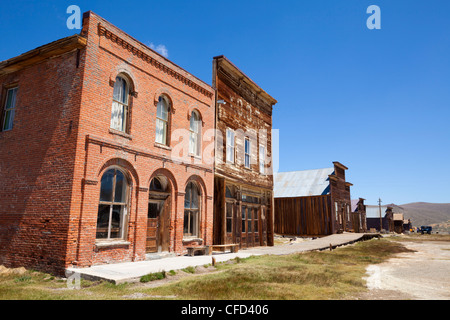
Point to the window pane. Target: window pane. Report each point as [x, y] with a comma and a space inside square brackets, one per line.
[106, 186]
[229, 217]
[11, 99]
[162, 111]
[153, 210]
[120, 90]
[155, 185]
[255, 224]
[195, 196]
[187, 196]
[102, 221]
[121, 187]
[116, 222]
[9, 117]
[229, 225]
[194, 223]
[161, 131]
[249, 220]
[247, 161]
[192, 143]
[194, 122]
[243, 218]
[186, 223]
[117, 116]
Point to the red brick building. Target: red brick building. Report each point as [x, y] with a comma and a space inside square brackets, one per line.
[102, 154]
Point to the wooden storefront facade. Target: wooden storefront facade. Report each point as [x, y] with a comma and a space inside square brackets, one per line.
[243, 182]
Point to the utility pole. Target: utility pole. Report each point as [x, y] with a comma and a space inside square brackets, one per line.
[381, 219]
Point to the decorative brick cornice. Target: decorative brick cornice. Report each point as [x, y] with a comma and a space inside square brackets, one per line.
[102, 31]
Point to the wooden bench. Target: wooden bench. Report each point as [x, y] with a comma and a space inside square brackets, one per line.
[203, 250]
[222, 247]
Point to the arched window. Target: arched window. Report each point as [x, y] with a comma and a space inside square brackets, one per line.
[162, 121]
[112, 208]
[191, 211]
[156, 185]
[120, 105]
[194, 134]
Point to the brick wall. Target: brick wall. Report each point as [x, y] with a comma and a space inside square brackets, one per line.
[36, 163]
[53, 160]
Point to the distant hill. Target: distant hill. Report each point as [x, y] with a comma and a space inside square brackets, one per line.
[423, 213]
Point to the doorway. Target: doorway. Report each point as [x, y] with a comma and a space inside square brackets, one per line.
[153, 243]
[158, 216]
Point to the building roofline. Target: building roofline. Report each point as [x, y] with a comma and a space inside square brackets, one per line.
[340, 165]
[41, 53]
[252, 83]
[88, 13]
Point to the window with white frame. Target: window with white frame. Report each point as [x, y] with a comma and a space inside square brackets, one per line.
[247, 153]
[262, 159]
[162, 121]
[119, 113]
[194, 134]
[230, 146]
[9, 109]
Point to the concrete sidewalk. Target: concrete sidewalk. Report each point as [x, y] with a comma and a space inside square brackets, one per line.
[133, 271]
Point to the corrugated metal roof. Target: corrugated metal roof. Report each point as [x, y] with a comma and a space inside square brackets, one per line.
[354, 204]
[374, 211]
[302, 183]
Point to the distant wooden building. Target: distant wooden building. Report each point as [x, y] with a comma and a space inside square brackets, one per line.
[313, 202]
[374, 222]
[243, 181]
[359, 221]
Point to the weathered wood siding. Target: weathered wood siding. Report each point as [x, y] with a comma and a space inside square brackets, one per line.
[247, 110]
[303, 216]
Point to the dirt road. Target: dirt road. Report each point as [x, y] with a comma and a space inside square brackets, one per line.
[420, 275]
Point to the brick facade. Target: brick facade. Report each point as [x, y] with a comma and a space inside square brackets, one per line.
[61, 145]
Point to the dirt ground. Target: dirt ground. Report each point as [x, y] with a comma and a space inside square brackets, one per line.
[420, 275]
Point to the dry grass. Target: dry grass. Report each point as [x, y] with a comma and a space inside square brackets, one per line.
[315, 275]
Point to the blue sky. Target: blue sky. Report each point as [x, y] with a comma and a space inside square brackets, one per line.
[377, 101]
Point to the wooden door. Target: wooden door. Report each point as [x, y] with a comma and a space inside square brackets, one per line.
[153, 226]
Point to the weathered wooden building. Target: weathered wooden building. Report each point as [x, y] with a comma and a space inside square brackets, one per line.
[359, 221]
[313, 202]
[243, 182]
[374, 223]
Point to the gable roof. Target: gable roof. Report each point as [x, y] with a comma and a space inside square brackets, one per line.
[302, 183]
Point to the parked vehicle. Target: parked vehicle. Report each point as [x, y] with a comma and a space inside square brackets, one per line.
[424, 229]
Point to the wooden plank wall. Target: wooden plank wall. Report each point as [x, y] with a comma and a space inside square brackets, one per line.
[303, 216]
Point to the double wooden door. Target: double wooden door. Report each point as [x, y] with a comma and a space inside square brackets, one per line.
[252, 231]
